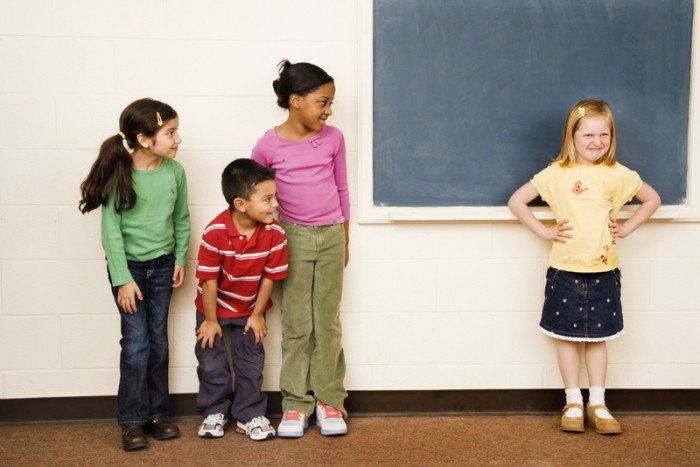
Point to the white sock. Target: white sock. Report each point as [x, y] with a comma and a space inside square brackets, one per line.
[597, 397]
[573, 396]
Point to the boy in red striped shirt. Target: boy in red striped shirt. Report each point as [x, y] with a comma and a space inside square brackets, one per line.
[242, 252]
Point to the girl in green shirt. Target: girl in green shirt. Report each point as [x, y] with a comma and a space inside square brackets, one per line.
[145, 234]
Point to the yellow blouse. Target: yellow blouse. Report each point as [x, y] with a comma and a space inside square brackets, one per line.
[586, 195]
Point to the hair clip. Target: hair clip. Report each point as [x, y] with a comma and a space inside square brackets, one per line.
[581, 111]
[160, 120]
[125, 143]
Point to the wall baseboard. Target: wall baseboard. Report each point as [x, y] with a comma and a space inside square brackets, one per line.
[368, 403]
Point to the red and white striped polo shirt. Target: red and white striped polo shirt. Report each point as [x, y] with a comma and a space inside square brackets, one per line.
[239, 264]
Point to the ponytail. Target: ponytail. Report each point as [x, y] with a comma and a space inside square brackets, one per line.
[111, 172]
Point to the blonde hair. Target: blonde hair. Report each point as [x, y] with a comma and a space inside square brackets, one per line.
[580, 110]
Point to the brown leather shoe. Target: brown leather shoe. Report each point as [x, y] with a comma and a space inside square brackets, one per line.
[604, 426]
[574, 424]
[133, 437]
[160, 427]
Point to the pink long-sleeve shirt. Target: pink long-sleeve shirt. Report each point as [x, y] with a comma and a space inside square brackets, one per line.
[311, 176]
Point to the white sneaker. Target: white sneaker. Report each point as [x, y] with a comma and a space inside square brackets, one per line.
[257, 429]
[213, 426]
[293, 424]
[330, 420]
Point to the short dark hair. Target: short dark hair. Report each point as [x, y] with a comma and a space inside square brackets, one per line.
[298, 78]
[240, 177]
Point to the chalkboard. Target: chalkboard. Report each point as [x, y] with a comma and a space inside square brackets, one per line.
[470, 96]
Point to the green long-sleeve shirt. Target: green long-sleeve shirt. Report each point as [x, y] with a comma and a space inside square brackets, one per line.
[158, 224]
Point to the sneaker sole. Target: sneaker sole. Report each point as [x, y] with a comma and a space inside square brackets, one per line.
[342, 431]
[242, 431]
[208, 435]
[293, 434]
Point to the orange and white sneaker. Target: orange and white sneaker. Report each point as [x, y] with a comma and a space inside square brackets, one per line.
[330, 420]
[292, 425]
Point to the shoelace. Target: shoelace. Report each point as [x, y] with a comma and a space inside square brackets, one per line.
[212, 420]
[260, 423]
[329, 411]
[292, 415]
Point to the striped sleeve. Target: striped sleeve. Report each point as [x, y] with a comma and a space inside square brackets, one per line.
[208, 259]
[276, 264]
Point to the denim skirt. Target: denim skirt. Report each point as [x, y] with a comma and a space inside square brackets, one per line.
[582, 307]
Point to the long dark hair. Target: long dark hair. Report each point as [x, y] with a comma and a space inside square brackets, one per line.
[111, 172]
[298, 78]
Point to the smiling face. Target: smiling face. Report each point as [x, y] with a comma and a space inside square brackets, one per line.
[166, 141]
[592, 139]
[313, 109]
[262, 203]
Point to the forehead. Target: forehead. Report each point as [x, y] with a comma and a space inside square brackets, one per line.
[170, 124]
[265, 188]
[593, 124]
[327, 90]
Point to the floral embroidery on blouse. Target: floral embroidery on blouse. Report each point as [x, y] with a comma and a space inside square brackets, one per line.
[578, 188]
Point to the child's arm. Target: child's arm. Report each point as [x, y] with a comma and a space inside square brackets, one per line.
[113, 244]
[181, 225]
[518, 206]
[650, 203]
[256, 321]
[210, 328]
[341, 181]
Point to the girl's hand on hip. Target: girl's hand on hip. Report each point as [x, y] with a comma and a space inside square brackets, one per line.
[125, 297]
[617, 231]
[207, 332]
[178, 276]
[559, 232]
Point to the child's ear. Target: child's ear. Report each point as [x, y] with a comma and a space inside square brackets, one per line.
[239, 204]
[143, 140]
[295, 100]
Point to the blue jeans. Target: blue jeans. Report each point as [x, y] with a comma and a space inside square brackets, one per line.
[143, 363]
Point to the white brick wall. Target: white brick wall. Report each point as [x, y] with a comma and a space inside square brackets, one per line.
[434, 306]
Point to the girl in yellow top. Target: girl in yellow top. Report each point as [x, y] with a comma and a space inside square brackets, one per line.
[585, 188]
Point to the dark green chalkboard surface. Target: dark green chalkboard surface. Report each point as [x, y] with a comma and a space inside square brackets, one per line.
[470, 96]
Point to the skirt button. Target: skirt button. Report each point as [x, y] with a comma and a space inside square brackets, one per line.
[575, 325]
[564, 300]
[599, 325]
[592, 308]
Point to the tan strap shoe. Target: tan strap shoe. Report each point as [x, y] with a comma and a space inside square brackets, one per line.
[604, 426]
[574, 424]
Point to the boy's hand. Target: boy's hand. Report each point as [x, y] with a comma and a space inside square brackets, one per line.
[125, 297]
[207, 332]
[257, 324]
[617, 231]
[178, 276]
[558, 232]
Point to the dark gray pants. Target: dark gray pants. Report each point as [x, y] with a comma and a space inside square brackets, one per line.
[216, 394]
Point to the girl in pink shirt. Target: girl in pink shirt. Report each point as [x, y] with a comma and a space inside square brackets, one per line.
[308, 157]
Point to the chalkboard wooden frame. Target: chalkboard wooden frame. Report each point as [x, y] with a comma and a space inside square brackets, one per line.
[371, 214]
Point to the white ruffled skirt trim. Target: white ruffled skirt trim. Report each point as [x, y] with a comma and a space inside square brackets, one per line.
[579, 339]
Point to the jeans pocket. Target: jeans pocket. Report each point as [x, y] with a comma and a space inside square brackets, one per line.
[551, 283]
